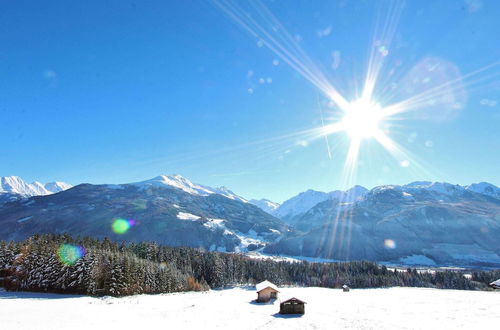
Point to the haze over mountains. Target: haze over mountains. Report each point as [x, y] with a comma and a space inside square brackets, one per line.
[419, 223]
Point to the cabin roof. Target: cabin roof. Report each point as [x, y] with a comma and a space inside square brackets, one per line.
[496, 283]
[345, 286]
[264, 285]
[294, 299]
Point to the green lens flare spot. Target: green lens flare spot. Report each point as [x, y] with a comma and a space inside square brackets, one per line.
[121, 226]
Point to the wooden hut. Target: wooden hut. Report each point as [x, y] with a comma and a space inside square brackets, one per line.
[266, 291]
[292, 306]
[496, 284]
[345, 288]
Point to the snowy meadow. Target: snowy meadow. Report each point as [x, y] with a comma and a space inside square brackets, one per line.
[393, 308]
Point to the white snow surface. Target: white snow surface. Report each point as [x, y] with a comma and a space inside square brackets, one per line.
[393, 308]
[301, 203]
[245, 239]
[24, 219]
[187, 216]
[16, 185]
[265, 205]
[57, 186]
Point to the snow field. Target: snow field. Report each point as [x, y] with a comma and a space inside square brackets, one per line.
[394, 308]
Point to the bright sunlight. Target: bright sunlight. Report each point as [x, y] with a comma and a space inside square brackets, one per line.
[362, 119]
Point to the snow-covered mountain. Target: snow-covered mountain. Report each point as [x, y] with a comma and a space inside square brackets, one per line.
[170, 210]
[418, 223]
[485, 188]
[449, 189]
[300, 204]
[434, 223]
[180, 182]
[16, 185]
[265, 204]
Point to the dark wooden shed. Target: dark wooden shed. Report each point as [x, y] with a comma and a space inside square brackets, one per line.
[292, 306]
[345, 288]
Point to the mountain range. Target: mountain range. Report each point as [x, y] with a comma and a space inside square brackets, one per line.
[424, 223]
[419, 223]
[16, 186]
[170, 210]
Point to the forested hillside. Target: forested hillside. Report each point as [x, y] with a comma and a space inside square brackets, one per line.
[59, 263]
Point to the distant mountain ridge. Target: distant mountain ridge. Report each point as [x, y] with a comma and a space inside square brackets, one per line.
[16, 185]
[421, 223]
[304, 201]
[425, 223]
[301, 203]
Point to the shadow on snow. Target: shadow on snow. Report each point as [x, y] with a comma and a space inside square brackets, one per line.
[35, 295]
[256, 303]
[287, 316]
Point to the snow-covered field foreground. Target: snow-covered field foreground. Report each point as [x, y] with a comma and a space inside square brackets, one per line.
[401, 308]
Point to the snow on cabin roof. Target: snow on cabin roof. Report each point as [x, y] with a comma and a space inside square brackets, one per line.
[294, 299]
[266, 284]
[496, 283]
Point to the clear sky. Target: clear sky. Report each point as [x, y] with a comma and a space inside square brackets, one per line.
[121, 91]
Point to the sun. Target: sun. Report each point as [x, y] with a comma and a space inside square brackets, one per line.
[362, 119]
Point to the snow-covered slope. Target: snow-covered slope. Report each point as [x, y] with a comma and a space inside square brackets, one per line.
[224, 191]
[180, 182]
[170, 210]
[56, 186]
[485, 188]
[16, 185]
[300, 204]
[265, 204]
[449, 189]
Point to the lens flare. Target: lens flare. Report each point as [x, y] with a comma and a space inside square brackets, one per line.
[68, 254]
[390, 93]
[121, 226]
[389, 244]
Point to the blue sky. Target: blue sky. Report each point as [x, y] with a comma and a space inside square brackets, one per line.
[122, 91]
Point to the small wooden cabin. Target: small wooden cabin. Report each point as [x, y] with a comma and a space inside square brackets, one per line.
[292, 306]
[496, 284]
[345, 288]
[266, 291]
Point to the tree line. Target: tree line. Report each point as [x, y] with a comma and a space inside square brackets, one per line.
[62, 264]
